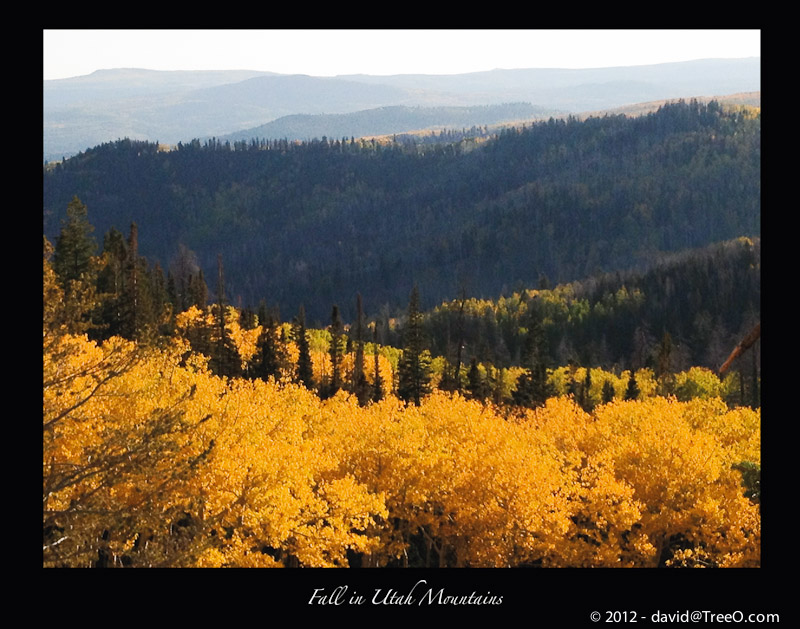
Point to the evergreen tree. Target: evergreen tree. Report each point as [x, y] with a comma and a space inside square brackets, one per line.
[182, 270]
[198, 290]
[225, 360]
[75, 245]
[360, 386]
[572, 385]
[172, 293]
[111, 283]
[377, 381]
[586, 398]
[533, 388]
[497, 392]
[742, 397]
[664, 375]
[447, 382]
[475, 383]
[460, 334]
[335, 352]
[132, 311]
[247, 318]
[160, 303]
[220, 317]
[632, 392]
[269, 347]
[414, 369]
[304, 374]
[137, 312]
[608, 392]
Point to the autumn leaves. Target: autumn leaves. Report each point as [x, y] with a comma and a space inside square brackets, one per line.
[150, 459]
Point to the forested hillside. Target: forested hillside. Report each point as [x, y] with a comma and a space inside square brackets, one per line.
[355, 354]
[216, 438]
[704, 299]
[314, 223]
[390, 121]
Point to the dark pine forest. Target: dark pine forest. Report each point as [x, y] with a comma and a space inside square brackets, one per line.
[632, 229]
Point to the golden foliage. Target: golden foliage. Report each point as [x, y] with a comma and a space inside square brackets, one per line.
[149, 460]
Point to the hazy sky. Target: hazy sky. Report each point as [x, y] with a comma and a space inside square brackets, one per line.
[70, 53]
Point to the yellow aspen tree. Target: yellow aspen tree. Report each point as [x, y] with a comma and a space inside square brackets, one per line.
[691, 496]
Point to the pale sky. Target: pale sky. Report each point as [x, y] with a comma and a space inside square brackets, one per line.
[69, 53]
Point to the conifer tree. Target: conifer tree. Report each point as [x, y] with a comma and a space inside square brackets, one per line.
[305, 373]
[220, 314]
[66, 311]
[664, 355]
[447, 381]
[111, 283]
[632, 392]
[198, 290]
[137, 304]
[664, 375]
[377, 382]
[460, 346]
[477, 388]
[226, 361]
[247, 318]
[359, 381]
[497, 392]
[172, 293]
[572, 384]
[160, 304]
[533, 388]
[132, 289]
[414, 370]
[608, 392]
[75, 245]
[183, 270]
[270, 355]
[586, 398]
[335, 352]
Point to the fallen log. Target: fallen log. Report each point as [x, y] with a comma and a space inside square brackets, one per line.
[742, 347]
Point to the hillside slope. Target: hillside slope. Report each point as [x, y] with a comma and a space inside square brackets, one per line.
[317, 222]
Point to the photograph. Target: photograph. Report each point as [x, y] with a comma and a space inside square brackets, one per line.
[481, 300]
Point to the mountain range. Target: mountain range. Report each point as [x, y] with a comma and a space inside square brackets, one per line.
[170, 107]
